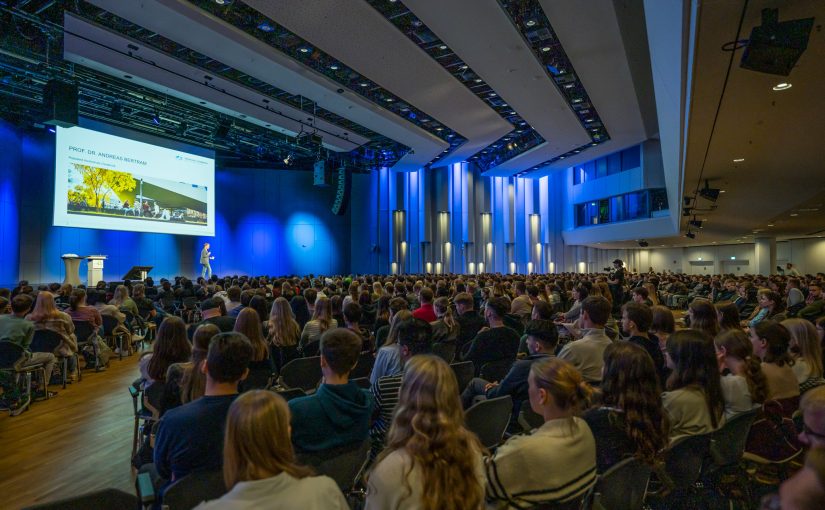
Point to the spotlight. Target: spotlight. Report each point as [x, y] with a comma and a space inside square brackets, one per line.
[690, 235]
[288, 159]
[696, 223]
[156, 118]
[264, 26]
[709, 193]
[643, 243]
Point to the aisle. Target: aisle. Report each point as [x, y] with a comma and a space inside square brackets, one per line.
[77, 442]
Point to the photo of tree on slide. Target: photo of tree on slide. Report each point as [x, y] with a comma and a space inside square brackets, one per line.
[100, 191]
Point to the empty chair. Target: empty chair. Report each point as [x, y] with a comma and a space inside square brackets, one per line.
[464, 373]
[342, 463]
[727, 445]
[364, 366]
[304, 373]
[682, 467]
[109, 334]
[106, 499]
[259, 378]
[445, 351]
[622, 487]
[46, 340]
[86, 338]
[489, 419]
[183, 494]
[529, 419]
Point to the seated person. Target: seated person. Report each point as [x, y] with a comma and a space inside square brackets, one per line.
[16, 329]
[630, 421]
[563, 446]
[468, 319]
[190, 437]
[414, 337]
[339, 412]
[542, 337]
[814, 303]
[812, 407]
[353, 314]
[260, 468]
[636, 321]
[587, 353]
[213, 312]
[496, 342]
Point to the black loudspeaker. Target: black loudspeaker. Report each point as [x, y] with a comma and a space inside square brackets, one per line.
[60, 103]
[775, 47]
[343, 188]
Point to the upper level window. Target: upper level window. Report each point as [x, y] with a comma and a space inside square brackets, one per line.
[608, 165]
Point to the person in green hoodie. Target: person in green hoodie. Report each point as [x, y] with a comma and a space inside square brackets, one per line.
[339, 412]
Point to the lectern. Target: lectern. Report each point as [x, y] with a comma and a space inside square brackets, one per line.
[72, 263]
[94, 272]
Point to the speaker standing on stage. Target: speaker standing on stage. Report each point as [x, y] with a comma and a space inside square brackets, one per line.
[206, 256]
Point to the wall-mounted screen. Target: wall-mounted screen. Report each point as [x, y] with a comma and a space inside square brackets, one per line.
[117, 183]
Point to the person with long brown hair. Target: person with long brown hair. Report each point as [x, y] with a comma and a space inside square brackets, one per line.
[261, 367]
[260, 470]
[445, 329]
[728, 316]
[771, 341]
[703, 317]
[630, 421]
[693, 400]
[283, 333]
[745, 385]
[192, 379]
[171, 346]
[431, 462]
[555, 464]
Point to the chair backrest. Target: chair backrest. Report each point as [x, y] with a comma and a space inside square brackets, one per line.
[445, 350]
[192, 489]
[10, 354]
[259, 378]
[45, 340]
[622, 487]
[106, 499]
[342, 463]
[489, 419]
[727, 444]
[464, 373]
[304, 373]
[291, 393]
[363, 382]
[109, 324]
[364, 366]
[684, 459]
[495, 370]
[529, 419]
[83, 330]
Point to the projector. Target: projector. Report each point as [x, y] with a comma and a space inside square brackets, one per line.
[775, 47]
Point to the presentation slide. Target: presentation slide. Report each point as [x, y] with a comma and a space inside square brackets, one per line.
[115, 183]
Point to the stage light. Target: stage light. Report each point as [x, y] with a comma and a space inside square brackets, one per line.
[690, 235]
[709, 193]
[156, 118]
[288, 159]
[696, 223]
[222, 129]
[264, 26]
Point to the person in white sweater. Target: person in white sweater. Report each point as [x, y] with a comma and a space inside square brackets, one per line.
[563, 447]
[431, 462]
[260, 468]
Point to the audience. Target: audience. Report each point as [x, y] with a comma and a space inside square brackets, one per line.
[46, 316]
[260, 468]
[425, 311]
[260, 367]
[630, 422]
[445, 328]
[388, 357]
[806, 351]
[771, 342]
[636, 321]
[321, 321]
[693, 400]
[431, 460]
[187, 379]
[557, 462]
[16, 329]
[339, 412]
[283, 333]
[213, 311]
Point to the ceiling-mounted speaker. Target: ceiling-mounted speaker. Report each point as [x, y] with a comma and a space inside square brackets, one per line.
[60, 103]
[775, 47]
[343, 189]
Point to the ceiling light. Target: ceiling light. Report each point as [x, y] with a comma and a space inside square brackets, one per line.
[442, 47]
[782, 86]
[223, 2]
[569, 86]
[389, 100]
[530, 22]
[738, 160]
[770, 224]
[794, 214]
[333, 67]
[546, 49]
[465, 66]
[304, 50]
[263, 26]
[365, 84]
[492, 94]
[722, 191]
[478, 80]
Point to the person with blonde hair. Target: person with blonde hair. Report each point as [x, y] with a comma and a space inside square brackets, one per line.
[388, 357]
[445, 328]
[431, 462]
[46, 316]
[283, 333]
[806, 352]
[563, 446]
[260, 470]
[122, 300]
[321, 321]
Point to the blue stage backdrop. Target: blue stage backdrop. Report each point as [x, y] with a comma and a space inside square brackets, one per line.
[268, 222]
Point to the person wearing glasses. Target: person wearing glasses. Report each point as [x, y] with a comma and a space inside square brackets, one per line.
[812, 407]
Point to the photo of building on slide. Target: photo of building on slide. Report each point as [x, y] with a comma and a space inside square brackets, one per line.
[96, 191]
